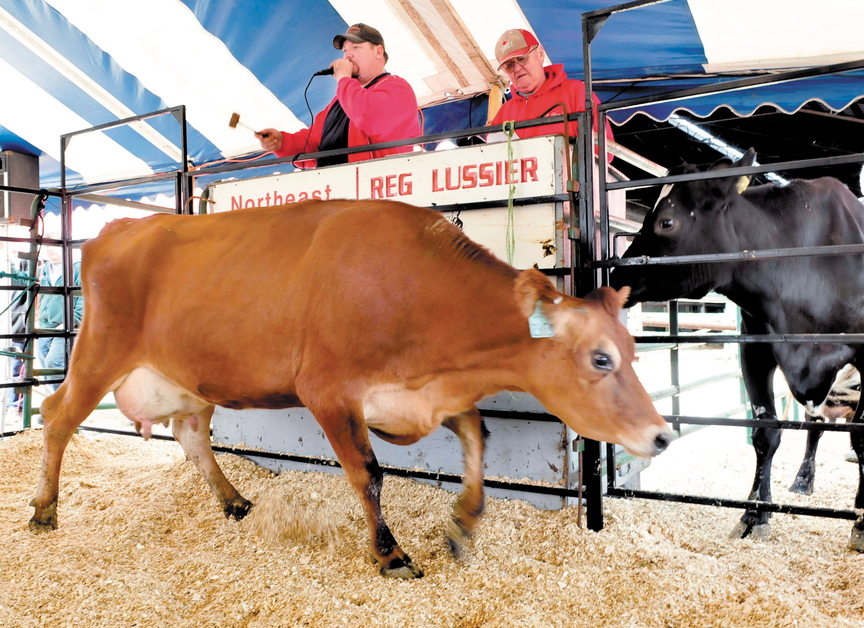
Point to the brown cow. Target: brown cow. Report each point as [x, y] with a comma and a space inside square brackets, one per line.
[373, 315]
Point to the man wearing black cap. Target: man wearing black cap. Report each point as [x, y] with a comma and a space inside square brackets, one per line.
[370, 106]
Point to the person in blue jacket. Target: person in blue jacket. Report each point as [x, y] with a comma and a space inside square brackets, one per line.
[49, 314]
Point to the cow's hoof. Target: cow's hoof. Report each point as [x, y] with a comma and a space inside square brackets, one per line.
[457, 537]
[237, 508]
[802, 487]
[856, 541]
[38, 527]
[44, 519]
[757, 531]
[401, 568]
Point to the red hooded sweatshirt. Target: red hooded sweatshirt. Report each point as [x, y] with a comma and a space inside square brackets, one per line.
[384, 112]
[557, 90]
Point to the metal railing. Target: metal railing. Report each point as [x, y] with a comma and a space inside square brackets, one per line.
[592, 23]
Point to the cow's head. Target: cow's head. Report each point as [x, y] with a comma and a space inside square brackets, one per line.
[690, 218]
[583, 371]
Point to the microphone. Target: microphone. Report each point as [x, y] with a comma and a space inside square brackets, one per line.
[324, 72]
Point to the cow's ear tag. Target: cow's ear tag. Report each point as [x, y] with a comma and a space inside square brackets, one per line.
[539, 325]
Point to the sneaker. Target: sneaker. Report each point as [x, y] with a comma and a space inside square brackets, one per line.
[851, 457]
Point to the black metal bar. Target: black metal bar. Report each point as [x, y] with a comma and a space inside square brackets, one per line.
[423, 139]
[843, 339]
[524, 416]
[741, 256]
[25, 335]
[18, 384]
[179, 184]
[592, 478]
[743, 504]
[816, 162]
[610, 466]
[12, 188]
[184, 182]
[556, 272]
[56, 289]
[584, 243]
[592, 474]
[121, 183]
[414, 141]
[531, 200]
[125, 121]
[603, 193]
[328, 462]
[765, 423]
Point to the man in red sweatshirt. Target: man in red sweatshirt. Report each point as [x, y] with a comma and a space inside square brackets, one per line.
[537, 91]
[370, 106]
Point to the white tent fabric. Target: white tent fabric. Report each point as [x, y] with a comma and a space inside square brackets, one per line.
[67, 65]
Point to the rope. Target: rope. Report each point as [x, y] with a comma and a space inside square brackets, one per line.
[17, 355]
[17, 276]
[509, 129]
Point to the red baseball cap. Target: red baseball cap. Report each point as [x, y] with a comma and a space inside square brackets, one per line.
[514, 43]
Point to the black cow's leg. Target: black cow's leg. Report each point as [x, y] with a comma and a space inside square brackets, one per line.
[856, 541]
[350, 441]
[803, 483]
[469, 427]
[758, 365]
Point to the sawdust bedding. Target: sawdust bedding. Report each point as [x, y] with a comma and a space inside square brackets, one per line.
[142, 543]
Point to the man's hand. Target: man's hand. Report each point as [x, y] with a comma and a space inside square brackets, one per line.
[271, 139]
[342, 68]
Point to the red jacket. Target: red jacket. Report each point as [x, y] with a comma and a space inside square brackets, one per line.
[556, 90]
[385, 112]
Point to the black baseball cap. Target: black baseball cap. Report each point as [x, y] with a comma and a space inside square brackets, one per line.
[358, 33]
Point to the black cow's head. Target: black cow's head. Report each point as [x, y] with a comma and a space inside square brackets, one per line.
[690, 218]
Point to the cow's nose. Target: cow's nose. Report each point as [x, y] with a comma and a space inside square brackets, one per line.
[661, 442]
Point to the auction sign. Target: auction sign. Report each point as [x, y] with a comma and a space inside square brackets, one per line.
[472, 174]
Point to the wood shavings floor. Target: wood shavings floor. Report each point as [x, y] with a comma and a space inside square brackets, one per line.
[142, 543]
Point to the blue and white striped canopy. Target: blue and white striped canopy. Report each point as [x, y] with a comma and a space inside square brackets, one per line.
[66, 65]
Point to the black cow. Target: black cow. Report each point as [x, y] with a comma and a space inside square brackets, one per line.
[822, 294]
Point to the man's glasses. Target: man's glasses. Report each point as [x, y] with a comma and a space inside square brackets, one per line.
[510, 65]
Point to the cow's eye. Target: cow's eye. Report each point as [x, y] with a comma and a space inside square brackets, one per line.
[666, 223]
[602, 361]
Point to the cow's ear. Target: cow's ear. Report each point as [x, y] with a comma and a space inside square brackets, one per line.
[739, 184]
[611, 299]
[532, 286]
[623, 294]
[747, 160]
